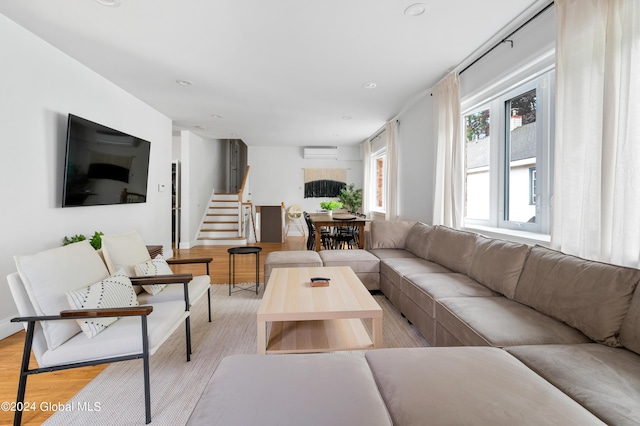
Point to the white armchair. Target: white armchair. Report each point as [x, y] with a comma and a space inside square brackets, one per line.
[43, 289]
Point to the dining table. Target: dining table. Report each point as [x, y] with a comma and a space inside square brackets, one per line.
[338, 219]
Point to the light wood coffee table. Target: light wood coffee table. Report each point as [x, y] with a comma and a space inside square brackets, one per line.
[317, 319]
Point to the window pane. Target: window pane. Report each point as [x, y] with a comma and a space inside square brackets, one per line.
[522, 149]
[380, 182]
[477, 165]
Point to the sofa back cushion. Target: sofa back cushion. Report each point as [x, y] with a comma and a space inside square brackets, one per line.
[452, 248]
[389, 233]
[591, 296]
[49, 275]
[418, 241]
[630, 331]
[497, 264]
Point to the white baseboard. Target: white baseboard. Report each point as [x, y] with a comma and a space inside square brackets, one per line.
[7, 328]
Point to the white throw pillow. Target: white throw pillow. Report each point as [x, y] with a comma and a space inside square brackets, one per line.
[113, 292]
[157, 266]
[48, 275]
[124, 251]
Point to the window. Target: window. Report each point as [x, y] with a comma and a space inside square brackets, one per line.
[478, 148]
[532, 185]
[509, 153]
[379, 178]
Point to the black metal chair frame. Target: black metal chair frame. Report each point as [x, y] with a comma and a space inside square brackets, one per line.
[25, 372]
[206, 261]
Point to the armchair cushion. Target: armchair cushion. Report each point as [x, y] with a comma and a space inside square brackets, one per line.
[48, 275]
[124, 251]
[157, 266]
[121, 338]
[113, 292]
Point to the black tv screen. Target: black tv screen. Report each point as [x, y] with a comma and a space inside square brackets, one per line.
[103, 165]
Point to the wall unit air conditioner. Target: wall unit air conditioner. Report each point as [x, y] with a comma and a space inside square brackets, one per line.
[321, 152]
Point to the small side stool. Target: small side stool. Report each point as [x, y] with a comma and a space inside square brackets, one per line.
[232, 266]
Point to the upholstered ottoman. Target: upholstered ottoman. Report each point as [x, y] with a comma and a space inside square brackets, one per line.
[468, 386]
[290, 259]
[291, 390]
[364, 264]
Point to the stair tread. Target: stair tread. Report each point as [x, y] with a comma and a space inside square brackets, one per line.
[229, 238]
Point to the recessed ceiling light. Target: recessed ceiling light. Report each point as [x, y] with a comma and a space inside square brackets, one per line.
[200, 127]
[217, 116]
[416, 9]
[369, 85]
[346, 117]
[110, 3]
[184, 82]
[335, 135]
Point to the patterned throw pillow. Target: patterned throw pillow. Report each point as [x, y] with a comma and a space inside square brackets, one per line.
[157, 266]
[113, 292]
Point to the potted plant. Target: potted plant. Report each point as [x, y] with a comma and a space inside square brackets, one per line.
[330, 205]
[95, 241]
[351, 198]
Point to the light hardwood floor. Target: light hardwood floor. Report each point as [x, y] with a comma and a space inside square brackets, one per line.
[58, 387]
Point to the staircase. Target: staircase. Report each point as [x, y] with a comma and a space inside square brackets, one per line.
[221, 224]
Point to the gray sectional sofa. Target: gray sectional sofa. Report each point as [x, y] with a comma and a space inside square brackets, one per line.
[573, 321]
[549, 339]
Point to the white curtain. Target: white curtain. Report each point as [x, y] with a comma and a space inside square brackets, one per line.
[392, 209]
[449, 175]
[597, 156]
[366, 181]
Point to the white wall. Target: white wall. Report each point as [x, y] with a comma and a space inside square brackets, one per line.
[39, 87]
[277, 175]
[532, 51]
[416, 156]
[203, 170]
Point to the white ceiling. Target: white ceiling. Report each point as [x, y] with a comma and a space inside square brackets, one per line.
[279, 72]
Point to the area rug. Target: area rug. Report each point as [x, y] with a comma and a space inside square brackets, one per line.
[116, 396]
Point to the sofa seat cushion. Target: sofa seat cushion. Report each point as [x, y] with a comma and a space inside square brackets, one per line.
[605, 380]
[425, 289]
[395, 269]
[498, 264]
[452, 248]
[384, 254]
[301, 389]
[50, 274]
[468, 386]
[162, 322]
[358, 260]
[198, 287]
[591, 296]
[498, 321]
[290, 259]
[364, 264]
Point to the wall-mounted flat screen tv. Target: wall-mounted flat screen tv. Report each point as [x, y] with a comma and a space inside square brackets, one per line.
[103, 165]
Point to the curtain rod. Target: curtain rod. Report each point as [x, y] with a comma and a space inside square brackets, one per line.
[382, 129]
[506, 39]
